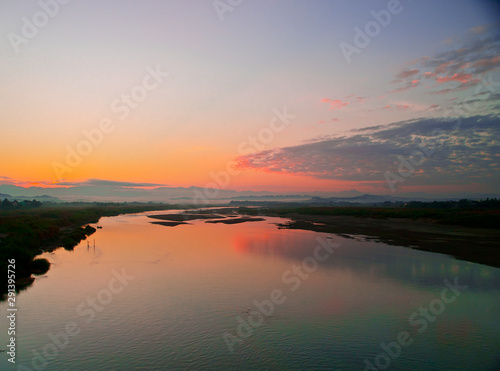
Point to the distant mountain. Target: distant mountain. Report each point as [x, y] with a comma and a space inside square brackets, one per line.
[271, 198]
[351, 193]
[199, 195]
[112, 193]
[42, 198]
[375, 199]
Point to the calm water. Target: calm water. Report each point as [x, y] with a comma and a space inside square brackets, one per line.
[184, 293]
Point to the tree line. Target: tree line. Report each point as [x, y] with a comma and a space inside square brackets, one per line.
[26, 204]
[489, 203]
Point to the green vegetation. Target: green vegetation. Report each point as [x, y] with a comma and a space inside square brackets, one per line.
[69, 241]
[480, 214]
[27, 231]
[10, 205]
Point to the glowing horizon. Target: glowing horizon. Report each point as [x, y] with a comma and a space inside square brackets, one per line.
[283, 97]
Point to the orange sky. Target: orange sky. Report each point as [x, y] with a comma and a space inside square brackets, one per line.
[170, 93]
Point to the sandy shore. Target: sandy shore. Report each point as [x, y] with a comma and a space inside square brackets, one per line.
[173, 220]
[472, 244]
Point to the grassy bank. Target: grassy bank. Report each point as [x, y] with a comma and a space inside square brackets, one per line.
[24, 233]
[467, 217]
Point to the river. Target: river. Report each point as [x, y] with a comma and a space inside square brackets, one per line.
[251, 296]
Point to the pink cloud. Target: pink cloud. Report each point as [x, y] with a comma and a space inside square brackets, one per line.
[461, 77]
[409, 85]
[488, 63]
[397, 107]
[463, 86]
[335, 103]
[442, 67]
[463, 66]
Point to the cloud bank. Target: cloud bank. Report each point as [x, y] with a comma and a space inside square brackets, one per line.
[459, 152]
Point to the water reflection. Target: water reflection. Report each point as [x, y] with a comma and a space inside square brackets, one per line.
[191, 282]
[371, 258]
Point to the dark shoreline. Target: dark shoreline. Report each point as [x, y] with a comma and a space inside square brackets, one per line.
[478, 245]
[427, 230]
[172, 220]
[25, 234]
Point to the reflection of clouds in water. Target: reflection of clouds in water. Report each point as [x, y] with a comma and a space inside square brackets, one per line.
[371, 258]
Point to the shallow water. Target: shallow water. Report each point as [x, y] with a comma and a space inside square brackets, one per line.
[189, 298]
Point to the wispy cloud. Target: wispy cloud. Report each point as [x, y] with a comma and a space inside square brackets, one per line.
[396, 107]
[355, 98]
[409, 84]
[458, 69]
[478, 30]
[334, 103]
[407, 73]
[460, 77]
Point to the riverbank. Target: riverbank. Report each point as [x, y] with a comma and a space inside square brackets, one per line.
[26, 233]
[173, 220]
[418, 229]
[447, 231]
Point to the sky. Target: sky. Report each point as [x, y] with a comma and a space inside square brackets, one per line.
[284, 96]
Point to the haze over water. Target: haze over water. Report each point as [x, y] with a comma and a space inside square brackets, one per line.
[187, 286]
